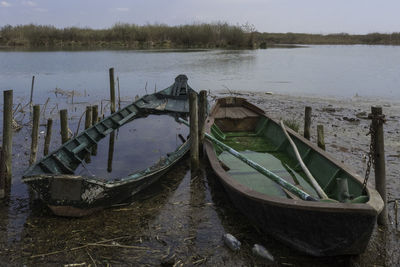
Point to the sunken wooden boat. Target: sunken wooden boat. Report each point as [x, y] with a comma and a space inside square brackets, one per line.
[320, 227]
[67, 194]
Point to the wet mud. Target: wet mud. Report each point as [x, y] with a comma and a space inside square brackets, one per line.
[180, 220]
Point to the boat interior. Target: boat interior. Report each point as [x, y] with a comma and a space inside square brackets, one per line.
[242, 126]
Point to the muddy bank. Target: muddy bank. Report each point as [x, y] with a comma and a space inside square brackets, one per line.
[181, 220]
[346, 126]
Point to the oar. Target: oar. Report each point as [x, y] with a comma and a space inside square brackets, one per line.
[314, 183]
[288, 186]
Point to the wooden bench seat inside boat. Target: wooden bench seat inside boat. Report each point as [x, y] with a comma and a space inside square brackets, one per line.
[232, 119]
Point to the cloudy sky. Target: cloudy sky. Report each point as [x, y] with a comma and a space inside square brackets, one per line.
[311, 16]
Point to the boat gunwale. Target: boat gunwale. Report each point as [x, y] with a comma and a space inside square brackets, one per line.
[373, 206]
[142, 112]
[115, 183]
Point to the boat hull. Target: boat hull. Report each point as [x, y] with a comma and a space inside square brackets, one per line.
[314, 232]
[312, 227]
[74, 196]
[67, 194]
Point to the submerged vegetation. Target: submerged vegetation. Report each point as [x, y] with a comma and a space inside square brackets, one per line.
[214, 35]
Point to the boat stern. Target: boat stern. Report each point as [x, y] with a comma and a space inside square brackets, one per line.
[68, 195]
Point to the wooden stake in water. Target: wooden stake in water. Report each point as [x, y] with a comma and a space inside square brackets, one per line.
[320, 136]
[48, 137]
[64, 125]
[119, 95]
[2, 176]
[307, 122]
[203, 105]
[112, 91]
[33, 83]
[379, 156]
[194, 133]
[35, 134]
[88, 117]
[5, 180]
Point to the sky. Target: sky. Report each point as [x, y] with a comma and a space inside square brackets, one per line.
[308, 16]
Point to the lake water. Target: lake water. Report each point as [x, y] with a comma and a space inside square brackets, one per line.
[342, 71]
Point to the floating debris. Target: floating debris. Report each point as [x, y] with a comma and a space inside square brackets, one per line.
[231, 242]
[262, 252]
[15, 125]
[68, 93]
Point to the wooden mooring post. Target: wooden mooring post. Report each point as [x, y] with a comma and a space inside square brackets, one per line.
[47, 139]
[2, 176]
[194, 133]
[112, 91]
[119, 95]
[320, 136]
[307, 122]
[33, 83]
[35, 134]
[6, 168]
[377, 138]
[64, 125]
[203, 104]
[88, 117]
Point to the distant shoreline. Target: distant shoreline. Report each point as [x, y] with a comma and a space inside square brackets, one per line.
[160, 36]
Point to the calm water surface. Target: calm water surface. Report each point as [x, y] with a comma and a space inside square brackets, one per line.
[137, 145]
[343, 71]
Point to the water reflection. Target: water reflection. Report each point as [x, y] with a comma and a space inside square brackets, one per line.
[138, 145]
[110, 151]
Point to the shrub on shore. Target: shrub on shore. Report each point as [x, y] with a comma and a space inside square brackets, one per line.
[337, 38]
[200, 35]
[127, 35]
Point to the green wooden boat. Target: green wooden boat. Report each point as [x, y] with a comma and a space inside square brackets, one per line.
[68, 194]
[339, 225]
